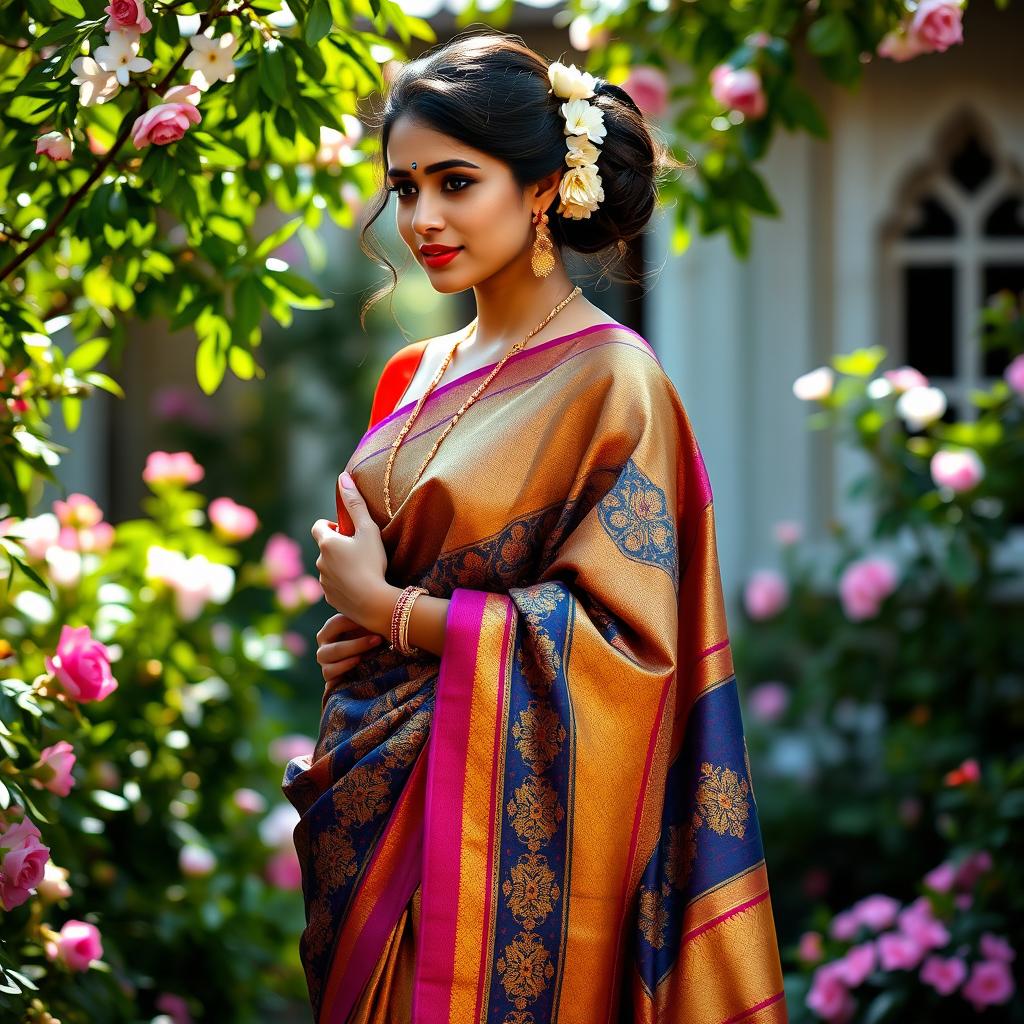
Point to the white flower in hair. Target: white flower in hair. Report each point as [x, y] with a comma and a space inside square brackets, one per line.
[583, 118]
[581, 151]
[580, 191]
[569, 82]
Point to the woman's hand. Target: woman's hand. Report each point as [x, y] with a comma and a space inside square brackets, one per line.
[352, 568]
[336, 655]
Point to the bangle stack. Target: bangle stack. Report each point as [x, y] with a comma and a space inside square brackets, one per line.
[400, 620]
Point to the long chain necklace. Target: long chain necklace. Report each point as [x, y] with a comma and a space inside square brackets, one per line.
[465, 405]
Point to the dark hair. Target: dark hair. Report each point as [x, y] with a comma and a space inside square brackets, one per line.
[490, 91]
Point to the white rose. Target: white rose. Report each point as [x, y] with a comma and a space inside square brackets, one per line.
[569, 82]
[580, 192]
[581, 151]
[582, 118]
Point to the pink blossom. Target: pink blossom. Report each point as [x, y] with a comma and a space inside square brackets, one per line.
[295, 642]
[903, 378]
[944, 975]
[249, 801]
[972, 868]
[126, 14]
[58, 759]
[79, 510]
[76, 946]
[196, 861]
[171, 403]
[283, 869]
[739, 90]
[957, 470]
[968, 772]
[919, 923]
[768, 701]
[963, 901]
[811, 949]
[995, 947]
[172, 467]
[37, 535]
[788, 532]
[766, 594]
[648, 88]
[898, 951]
[829, 997]
[844, 926]
[22, 862]
[54, 884]
[990, 984]
[175, 1007]
[864, 585]
[941, 878]
[55, 145]
[1014, 374]
[294, 594]
[232, 521]
[287, 748]
[282, 559]
[877, 912]
[98, 538]
[937, 24]
[82, 665]
[164, 123]
[900, 45]
[857, 964]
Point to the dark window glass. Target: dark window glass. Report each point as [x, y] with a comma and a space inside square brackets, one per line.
[1006, 218]
[930, 220]
[995, 278]
[971, 166]
[928, 319]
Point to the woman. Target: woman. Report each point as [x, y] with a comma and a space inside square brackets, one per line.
[530, 799]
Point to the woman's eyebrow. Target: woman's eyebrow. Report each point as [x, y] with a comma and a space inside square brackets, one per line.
[400, 172]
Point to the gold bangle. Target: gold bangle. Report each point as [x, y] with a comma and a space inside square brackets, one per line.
[405, 647]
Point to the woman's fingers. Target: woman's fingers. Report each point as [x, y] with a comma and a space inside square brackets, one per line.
[336, 626]
[342, 649]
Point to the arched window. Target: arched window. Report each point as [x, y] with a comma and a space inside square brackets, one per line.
[956, 239]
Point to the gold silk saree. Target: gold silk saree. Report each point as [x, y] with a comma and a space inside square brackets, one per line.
[555, 820]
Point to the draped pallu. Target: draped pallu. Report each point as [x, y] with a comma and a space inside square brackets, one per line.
[555, 821]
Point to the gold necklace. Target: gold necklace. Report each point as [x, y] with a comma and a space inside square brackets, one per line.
[465, 405]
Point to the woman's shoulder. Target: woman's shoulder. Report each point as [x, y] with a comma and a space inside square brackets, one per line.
[398, 370]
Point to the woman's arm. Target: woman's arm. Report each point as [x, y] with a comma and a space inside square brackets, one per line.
[427, 621]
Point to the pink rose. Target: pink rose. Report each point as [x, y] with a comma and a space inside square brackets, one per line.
[55, 145]
[945, 976]
[864, 585]
[1014, 374]
[990, 984]
[648, 88]
[126, 14]
[766, 594]
[76, 946]
[898, 951]
[78, 511]
[59, 759]
[282, 559]
[957, 470]
[175, 1007]
[857, 964]
[903, 378]
[919, 923]
[164, 123]
[995, 947]
[22, 862]
[172, 467]
[768, 701]
[739, 90]
[232, 521]
[844, 926]
[82, 665]
[941, 878]
[829, 997]
[283, 869]
[937, 24]
[811, 948]
[877, 912]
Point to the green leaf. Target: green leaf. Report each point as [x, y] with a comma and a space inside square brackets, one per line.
[71, 408]
[830, 34]
[271, 75]
[72, 7]
[86, 356]
[278, 238]
[861, 363]
[101, 380]
[318, 23]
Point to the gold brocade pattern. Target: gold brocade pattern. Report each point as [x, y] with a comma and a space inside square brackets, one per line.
[682, 852]
[539, 735]
[722, 797]
[535, 812]
[531, 891]
[653, 916]
[525, 968]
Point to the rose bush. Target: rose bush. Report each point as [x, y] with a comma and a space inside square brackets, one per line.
[886, 701]
[142, 868]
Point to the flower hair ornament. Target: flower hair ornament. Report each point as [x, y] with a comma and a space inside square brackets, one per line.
[580, 190]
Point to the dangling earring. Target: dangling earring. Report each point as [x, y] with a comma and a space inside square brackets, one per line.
[542, 260]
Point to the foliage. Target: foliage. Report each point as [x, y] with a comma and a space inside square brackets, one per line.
[887, 726]
[163, 834]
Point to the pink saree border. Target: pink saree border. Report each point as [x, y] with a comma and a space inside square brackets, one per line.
[490, 366]
[448, 746]
[386, 912]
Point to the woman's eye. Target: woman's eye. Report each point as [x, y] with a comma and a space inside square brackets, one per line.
[397, 189]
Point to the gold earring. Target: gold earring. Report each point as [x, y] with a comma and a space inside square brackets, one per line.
[542, 260]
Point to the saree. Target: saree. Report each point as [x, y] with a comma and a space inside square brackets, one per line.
[555, 820]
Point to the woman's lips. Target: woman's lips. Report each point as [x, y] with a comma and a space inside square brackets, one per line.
[442, 258]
